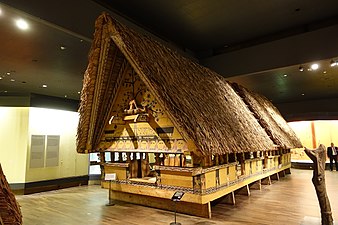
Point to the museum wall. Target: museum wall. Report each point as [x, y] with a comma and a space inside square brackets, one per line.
[55, 158]
[65, 163]
[13, 142]
[313, 133]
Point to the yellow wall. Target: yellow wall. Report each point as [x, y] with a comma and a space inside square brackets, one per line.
[16, 127]
[13, 142]
[63, 123]
[325, 132]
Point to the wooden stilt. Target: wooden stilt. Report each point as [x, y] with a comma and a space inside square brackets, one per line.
[266, 181]
[256, 185]
[275, 176]
[244, 190]
[228, 199]
[282, 173]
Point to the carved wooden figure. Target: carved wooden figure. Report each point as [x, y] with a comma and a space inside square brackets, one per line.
[318, 156]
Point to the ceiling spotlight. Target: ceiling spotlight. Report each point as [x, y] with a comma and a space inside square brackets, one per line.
[8, 73]
[21, 24]
[0, 78]
[314, 66]
[333, 63]
[62, 47]
[301, 69]
[44, 85]
[285, 75]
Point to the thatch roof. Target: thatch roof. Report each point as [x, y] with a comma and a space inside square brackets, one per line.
[201, 104]
[269, 118]
[10, 212]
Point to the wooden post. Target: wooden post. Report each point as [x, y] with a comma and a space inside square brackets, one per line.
[256, 185]
[216, 160]
[157, 159]
[228, 199]
[112, 155]
[318, 156]
[120, 157]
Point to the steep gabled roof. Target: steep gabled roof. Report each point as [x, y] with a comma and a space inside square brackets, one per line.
[269, 117]
[201, 104]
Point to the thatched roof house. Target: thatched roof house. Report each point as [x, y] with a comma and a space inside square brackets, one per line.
[10, 213]
[201, 104]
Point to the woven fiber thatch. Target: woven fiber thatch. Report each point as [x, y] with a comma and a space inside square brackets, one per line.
[99, 86]
[10, 212]
[200, 103]
[269, 117]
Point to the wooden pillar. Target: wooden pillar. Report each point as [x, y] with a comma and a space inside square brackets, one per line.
[255, 155]
[221, 159]
[102, 157]
[266, 180]
[112, 156]
[120, 157]
[244, 190]
[318, 157]
[217, 160]
[157, 159]
[226, 158]
[256, 185]
[128, 157]
[229, 199]
[275, 176]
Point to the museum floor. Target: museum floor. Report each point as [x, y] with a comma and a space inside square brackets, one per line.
[291, 200]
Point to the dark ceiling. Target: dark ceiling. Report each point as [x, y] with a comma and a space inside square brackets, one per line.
[260, 44]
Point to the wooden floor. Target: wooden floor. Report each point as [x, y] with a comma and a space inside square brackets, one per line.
[291, 200]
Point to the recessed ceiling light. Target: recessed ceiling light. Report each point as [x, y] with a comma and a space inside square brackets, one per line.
[333, 63]
[21, 24]
[324, 71]
[5, 91]
[0, 78]
[12, 80]
[301, 69]
[8, 73]
[314, 66]
[79, 92]
[62, 47]
[66, 96]
[285, 75]
[303, 94]
[44, 85]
